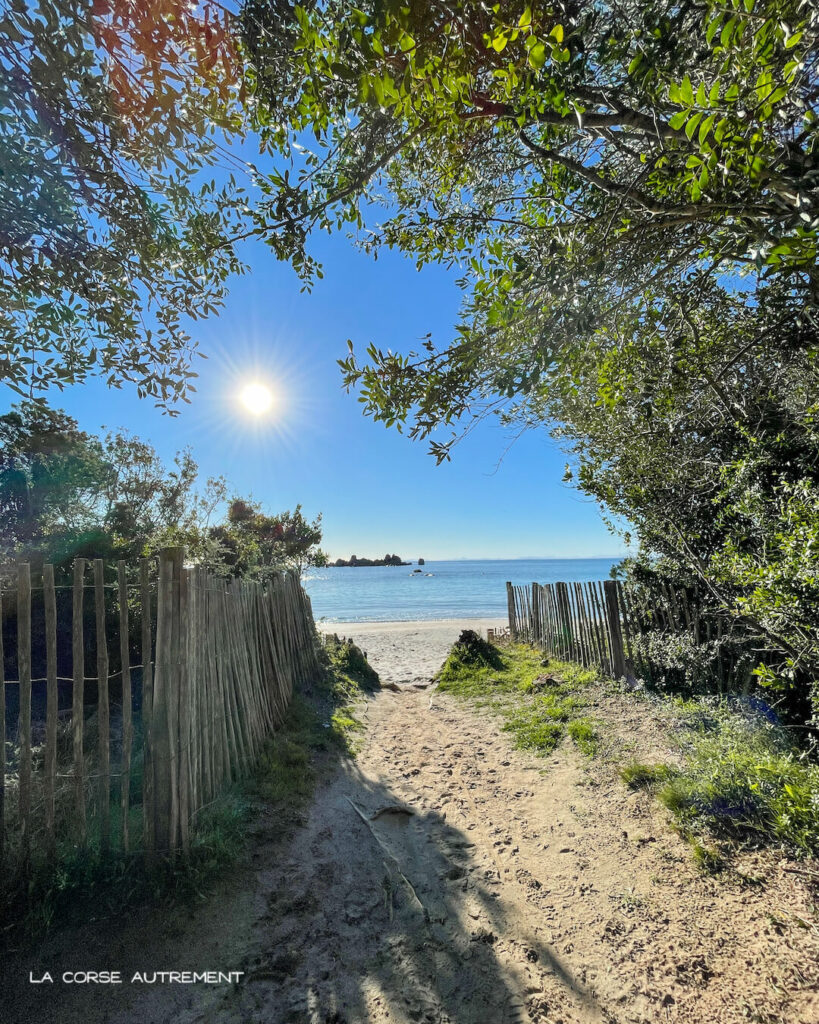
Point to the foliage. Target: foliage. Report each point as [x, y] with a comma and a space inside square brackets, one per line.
[630, 191]
[583, 733]
[743, 779]
[645, 776]
[112, 236]
[66, 494]
[350, 662]
[251, 544]
[471, 649]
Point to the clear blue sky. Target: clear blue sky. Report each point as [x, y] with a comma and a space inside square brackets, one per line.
[377, 490]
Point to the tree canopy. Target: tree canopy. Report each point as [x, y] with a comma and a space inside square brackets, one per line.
[65, 494]
[112, 236]
[252, 544]
[631, 191]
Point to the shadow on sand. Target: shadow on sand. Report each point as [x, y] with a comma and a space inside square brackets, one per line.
[382, 915]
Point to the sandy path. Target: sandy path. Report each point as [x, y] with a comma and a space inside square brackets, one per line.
[408, 652]
[517, 891]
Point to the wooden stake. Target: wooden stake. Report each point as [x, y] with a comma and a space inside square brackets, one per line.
[148, 809]
[50, 602]
[103, 712]
[2, 750]
[127, 724]
[24, 675]
[78, 696]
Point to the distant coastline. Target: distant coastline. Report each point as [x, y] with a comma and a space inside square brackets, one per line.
[353, 562]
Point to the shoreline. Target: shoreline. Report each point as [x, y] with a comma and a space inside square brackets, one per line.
[409, 652]
[395, 625]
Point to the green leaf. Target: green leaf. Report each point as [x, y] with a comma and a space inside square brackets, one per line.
[686, 91]
[713, 28]
[705, 128]
[691, 125]
[537, 56]
[678, 119]
[557, 33]
[525, 19]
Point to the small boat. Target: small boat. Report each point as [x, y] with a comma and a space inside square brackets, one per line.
[429, 573]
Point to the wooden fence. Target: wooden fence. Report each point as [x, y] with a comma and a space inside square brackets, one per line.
[605, 624]
[205, 668]
[574, 621]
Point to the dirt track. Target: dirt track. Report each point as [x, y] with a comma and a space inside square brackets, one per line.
[492, 888]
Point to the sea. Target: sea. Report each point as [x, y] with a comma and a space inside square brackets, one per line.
[470, 588]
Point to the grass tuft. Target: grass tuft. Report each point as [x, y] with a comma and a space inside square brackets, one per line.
[707, 859]
[645, 776]
[583, 733]
[745, 780]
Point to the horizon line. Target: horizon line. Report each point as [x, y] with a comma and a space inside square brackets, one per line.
[508, 558]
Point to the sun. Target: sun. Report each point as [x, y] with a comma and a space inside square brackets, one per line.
[256, 397]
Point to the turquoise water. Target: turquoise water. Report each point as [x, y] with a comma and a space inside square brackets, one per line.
[460, 589]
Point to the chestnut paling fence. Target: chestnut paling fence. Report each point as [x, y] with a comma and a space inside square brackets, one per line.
[605, 624]
[192, 673]
[573, 621]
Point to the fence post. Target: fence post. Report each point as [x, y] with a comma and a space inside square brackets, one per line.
[78, 695]
[510, 604]
[24, 675]
[103, 711]
[148, 816]
[613, 614]
[537, 634]
[127, 725]
[50, 765]
[164, 713]
[563, 620]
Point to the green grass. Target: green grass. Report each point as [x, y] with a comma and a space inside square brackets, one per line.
[320, 725]
[539, 702]
[584, 734]
[743, 780]
[645, 776]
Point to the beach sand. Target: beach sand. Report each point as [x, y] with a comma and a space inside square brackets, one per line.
[408, 652]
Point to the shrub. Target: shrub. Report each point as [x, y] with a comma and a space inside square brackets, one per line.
[471, 649]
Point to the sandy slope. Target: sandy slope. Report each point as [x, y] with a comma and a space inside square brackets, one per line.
[444, 877]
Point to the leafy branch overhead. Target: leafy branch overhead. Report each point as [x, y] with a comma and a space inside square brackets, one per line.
[112, 237]
[630, 191]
